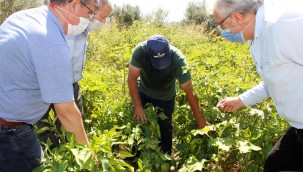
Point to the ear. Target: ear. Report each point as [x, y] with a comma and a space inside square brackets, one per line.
[74, 4]
[239, 17]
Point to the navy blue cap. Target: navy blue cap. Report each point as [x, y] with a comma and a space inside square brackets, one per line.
[159, 51]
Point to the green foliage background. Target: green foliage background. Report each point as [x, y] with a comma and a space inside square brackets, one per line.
[9, 7]
[236, 141]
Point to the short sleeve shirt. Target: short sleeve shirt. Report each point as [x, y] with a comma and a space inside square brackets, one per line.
[35, 65]
[160, 84]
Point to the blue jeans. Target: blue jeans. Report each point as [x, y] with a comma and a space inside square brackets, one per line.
[165, 125]
[20, 149]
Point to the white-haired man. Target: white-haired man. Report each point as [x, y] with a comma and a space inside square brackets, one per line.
[273, 29]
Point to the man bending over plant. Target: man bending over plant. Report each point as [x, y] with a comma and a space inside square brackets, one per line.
[158, 65]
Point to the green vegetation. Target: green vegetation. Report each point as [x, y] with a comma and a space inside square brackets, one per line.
[9, 7]
[236, 141]
[126, 14]
[195, 14]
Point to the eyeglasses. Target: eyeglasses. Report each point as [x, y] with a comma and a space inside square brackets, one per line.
[91, 12]
[222, 21]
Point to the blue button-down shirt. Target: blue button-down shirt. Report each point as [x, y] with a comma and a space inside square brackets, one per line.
[35, 66]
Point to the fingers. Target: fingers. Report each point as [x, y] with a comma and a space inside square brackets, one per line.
[140, 118]
[221, 104]
[229, 104]
[139, 114]
[143, 119]
[228, 108]
[202, 124]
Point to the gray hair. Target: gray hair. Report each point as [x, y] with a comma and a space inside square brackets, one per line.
[104, 3]
[225, 7]
[88, 1]
[62, 2]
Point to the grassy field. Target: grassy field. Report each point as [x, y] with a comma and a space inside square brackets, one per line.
[236, 141]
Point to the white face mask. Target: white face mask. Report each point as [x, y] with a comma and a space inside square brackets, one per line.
[94, 25]
[77, 29]
[74, 29]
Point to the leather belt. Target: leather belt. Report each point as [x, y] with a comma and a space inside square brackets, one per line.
[12, 124]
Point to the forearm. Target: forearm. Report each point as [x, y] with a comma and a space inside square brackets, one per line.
[193, 103]
[195, 106]
[255, 95]
[133, 75]
[134, 94]
[134, 91]
[70, 118]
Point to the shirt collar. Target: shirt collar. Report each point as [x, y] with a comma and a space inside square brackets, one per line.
[259, 22]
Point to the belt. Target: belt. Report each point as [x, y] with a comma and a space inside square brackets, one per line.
[13, 124]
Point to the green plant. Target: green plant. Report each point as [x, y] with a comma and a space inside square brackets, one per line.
[236, 141]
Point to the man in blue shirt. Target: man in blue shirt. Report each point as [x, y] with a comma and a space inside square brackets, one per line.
[78, 45]
[35, 71]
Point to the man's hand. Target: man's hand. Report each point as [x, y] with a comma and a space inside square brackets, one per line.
[230, 104]
[194, 104]
[202, 123]
[139, 114]
[133, 74]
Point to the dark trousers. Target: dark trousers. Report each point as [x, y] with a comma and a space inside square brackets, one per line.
[287, 154]
[165, 125]
[52, 135]
[20, 149]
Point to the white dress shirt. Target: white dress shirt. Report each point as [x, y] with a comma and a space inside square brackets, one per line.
[77, 45]
[277, 50]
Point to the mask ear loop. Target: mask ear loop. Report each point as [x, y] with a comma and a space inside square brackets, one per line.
[243, 21]
[55, 7]
[248, 23]
[66, 11]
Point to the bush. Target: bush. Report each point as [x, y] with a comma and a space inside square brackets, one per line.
[236, 141]
[9, 7]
